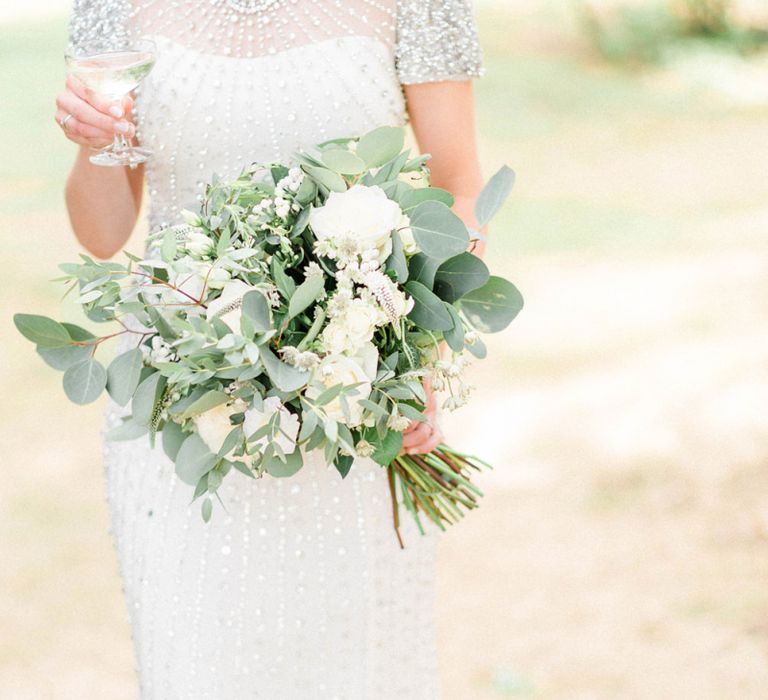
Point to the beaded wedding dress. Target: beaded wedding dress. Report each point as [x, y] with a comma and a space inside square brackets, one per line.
[299, 590]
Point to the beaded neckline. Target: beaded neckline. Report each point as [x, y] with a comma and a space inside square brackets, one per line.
[252, 7]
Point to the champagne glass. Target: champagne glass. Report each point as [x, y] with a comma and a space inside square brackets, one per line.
[113, 71]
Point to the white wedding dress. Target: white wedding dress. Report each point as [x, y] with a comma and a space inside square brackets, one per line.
[300, 590]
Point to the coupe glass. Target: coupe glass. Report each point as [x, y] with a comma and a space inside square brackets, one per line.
[113, 71]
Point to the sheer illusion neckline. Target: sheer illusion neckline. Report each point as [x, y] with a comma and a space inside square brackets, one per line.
[341, 41]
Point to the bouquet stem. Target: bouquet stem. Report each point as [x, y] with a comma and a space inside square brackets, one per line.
[436, 484]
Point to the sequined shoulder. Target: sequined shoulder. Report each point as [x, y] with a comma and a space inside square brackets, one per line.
[98, 20]
[437, 40]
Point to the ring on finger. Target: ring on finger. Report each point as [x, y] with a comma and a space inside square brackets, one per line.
[65, 119]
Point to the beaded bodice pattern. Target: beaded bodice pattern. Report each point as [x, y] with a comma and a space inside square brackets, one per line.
[244, 80]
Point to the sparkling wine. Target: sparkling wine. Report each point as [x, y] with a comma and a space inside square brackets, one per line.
[114, 73]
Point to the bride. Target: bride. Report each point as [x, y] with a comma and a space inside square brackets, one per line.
[300, 590]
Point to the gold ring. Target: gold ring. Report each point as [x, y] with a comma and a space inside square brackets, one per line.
[64, 121]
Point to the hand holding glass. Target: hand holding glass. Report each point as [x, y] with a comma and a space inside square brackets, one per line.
[113, 72]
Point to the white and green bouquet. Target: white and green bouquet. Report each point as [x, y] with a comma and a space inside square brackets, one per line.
[302, 308]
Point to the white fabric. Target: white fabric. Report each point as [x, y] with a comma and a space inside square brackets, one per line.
[300, 591]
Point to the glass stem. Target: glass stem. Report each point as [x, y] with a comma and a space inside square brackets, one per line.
[119, 144]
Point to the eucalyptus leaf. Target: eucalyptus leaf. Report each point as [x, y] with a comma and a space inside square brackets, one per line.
[172, 437]
[283, 376]
[428, 309]
[210, 399]
[42, 331]
[123, 375]
[492, 307]
[422, 269]
[425, 194]
[127, 430]
[396, 261]
[494, 194]
[256, 308]
[306, 294]
[455, 336]
[343, 464]
[293, 462]
[63, 358]
[478, 349]
[206, 508]
[146, 396]
[380, 145]
[327, 178]
[343, 161]
[460, 275]
[438, 232]
[84, 381]
[387, 448]
[193, 460]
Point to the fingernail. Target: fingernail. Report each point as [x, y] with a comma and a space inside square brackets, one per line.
[116, 111]
[123, 127]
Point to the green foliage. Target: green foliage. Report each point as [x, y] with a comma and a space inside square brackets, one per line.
[458, 276]
[639, 34]
[492, 307]
[84, 381]
[438, 232]
[123, 375]
[253, 338]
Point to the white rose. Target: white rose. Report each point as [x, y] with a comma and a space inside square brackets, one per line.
[213, 425]
[198, 244]
[367, 356]
[406, 236]
[362, 213]
[335, 338]
[288, 424]
[339, 369]
[351, 328]
[228, 307]
[360, 319]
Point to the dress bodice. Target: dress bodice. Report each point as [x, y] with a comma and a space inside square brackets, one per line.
[238, 81]
[203, 114]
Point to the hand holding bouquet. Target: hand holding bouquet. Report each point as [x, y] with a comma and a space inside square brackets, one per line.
[300, 309]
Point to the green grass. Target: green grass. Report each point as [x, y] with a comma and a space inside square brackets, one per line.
[34, 156]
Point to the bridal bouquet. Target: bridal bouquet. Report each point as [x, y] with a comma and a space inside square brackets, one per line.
[300, 309]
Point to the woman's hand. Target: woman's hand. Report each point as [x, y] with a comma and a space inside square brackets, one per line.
[89, 119]
[422, 437]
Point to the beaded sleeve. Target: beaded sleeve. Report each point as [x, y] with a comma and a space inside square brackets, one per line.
[437, 40]
[98, 20]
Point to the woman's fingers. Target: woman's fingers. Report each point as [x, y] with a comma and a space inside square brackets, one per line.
[112, 108]
[96, 123]
[76, 132]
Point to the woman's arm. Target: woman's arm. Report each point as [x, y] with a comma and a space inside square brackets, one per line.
[443, 120]
[103, 202]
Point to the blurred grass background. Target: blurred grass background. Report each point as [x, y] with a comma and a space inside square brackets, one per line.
[621, 549]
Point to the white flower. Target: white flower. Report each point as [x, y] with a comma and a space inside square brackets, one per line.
[214, 425]
[363, 448]
[406, 236]
[362, 213]
[339, 369]
[228, 307]
[287, 424]
[398, 422]
[355, 325]
[392, 300]
[160, 351]
[198, 244]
